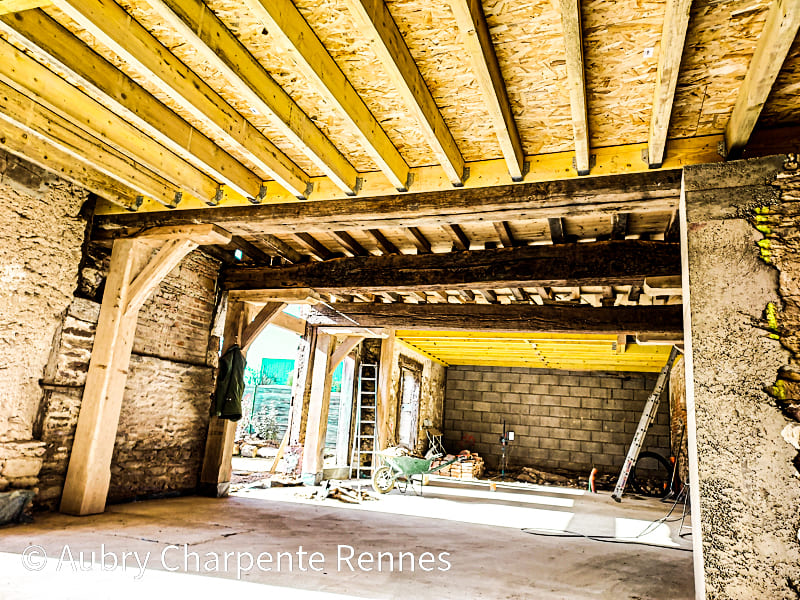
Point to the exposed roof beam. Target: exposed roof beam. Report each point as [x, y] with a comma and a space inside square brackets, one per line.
[519, 294]
[23, 73]
[285, 23]
[221, 48]
[480, 50]
[780, 30]
[313, 245]
[460, 239]
[556, 225]
[52, 44]
[508, 317]
[595, 263]
[281, 248]
[349, 243]
[20, 143]
[573, 40]
[505, 234]
[386, 246]
[673, 36]
[652, 190]
[114, 28]
[488, 295]
[36, 128]
[377, 24]
[14, 6]
[467, 295]
[420, 241]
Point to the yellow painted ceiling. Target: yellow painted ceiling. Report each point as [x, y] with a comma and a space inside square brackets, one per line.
[575, 352]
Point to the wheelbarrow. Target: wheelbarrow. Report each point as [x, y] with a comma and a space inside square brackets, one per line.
[404, 470]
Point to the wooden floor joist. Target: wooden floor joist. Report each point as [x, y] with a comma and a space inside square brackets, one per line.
[507, 318]
[573, 41]
[52, 44]
[111, 25]
[621, 262]
[375, 20]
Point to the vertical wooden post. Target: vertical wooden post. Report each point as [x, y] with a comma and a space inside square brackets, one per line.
[89, 474]
[215, 478]
[385, 371]
[301, 387]
[318, 405]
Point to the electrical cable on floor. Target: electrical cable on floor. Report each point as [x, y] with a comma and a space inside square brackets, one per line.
[615, 540]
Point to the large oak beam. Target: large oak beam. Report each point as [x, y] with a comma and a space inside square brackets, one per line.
[510, 317]
[780, 30]
[617, 262]
[480, 50]
[673, 35]
[376, 23]
[655, 190]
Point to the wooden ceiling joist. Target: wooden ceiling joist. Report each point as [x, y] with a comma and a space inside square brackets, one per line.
[386, 246]
[313, 245]
[573, 40]
[376, 22]
[222, 49]
[456, 233]
[653, 190]
[24, 74]
[619, 226]
[52, 44]
[38, 129]
[282, 19]
[21, 143]
[349, 243]
[673, 36]
[556, 225]
[499, 317]
[15, 6]
[780, 30]
[480, 49]
[420, 241]
[115, 29]
[505, 234]
[599, 263]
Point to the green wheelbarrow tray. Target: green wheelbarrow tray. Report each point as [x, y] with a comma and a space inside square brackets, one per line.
[402, 469]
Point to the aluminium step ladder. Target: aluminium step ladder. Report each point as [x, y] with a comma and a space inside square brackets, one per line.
[647, 418]
[365, 439]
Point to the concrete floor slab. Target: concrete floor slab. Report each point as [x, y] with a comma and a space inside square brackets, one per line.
[462, 542]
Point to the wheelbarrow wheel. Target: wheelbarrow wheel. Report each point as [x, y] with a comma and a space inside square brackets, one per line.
[382, 480]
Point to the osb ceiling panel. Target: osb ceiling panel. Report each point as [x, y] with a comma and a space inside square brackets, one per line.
[543, 350]
[620, 79]
[782, 107]
[528, 40]
[720, 42]
[432, 37]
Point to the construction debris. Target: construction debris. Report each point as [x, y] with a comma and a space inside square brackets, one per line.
[343, 492]
[471, 467]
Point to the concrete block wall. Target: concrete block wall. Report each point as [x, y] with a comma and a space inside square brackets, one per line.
[568, 420]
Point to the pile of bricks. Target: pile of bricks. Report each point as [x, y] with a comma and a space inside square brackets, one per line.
[466, 469]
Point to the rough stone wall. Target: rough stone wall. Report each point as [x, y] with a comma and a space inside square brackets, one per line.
[745, 485]
[42, 231]
[164, 416]
[568, 420]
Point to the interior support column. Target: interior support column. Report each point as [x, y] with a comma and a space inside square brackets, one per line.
[243, 324]
[133, 275]
[385, 371]
[318, 404]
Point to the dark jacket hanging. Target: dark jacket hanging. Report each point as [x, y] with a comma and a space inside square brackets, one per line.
[230, 385]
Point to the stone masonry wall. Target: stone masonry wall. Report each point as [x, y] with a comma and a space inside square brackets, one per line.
[41, 234]
[566, 420]
[164, 416]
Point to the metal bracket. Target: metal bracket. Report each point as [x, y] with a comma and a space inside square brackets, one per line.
[177, 200]
[137, 204]
[409, 181]
[722, 148]
[526, 166]
[464, 177]
[592, 163]
[218, 196]
[262, 193]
